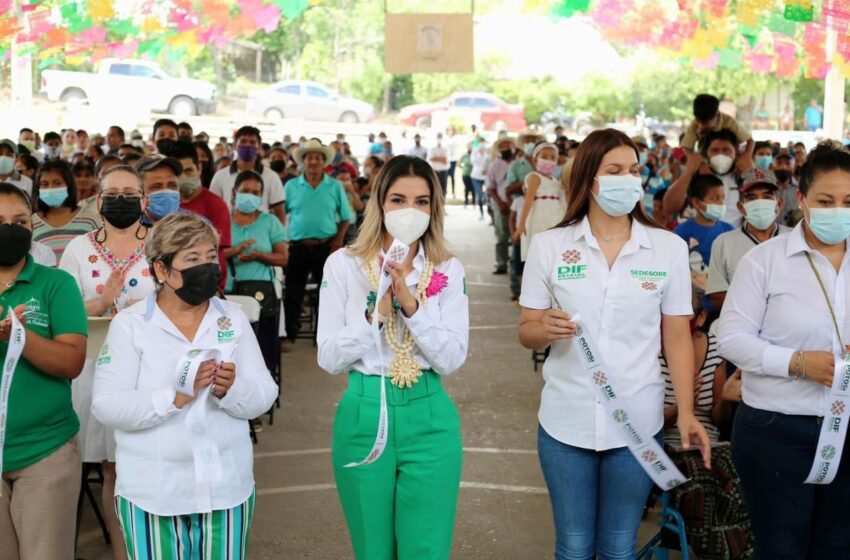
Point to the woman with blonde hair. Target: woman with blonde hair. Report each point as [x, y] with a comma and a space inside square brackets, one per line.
[399, 501]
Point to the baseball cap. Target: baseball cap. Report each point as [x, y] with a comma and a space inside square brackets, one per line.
[150, 163]
[758, 177]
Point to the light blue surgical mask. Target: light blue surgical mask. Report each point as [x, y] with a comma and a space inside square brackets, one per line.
[761, 214]
[714, 212]
[763, 162]
[247, 203]
[163, 203]
[618, 194]
[53, 197]
[830, 225]
[642, 158]
[7, 165]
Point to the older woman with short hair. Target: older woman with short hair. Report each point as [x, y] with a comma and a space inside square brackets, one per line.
[178, 376]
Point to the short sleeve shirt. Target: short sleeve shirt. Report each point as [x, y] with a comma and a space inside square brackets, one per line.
[41, 417]
[314, 213]
[700, 239]
[723, 121]
[224, 180]
[57, 238]
[266, 231]
[726, 253]
[621, 308]
[518, 171]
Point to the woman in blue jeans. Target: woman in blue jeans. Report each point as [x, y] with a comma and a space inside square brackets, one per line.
[784, 323]
[624, 281]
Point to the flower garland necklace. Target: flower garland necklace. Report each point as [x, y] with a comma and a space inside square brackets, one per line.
[404, 369]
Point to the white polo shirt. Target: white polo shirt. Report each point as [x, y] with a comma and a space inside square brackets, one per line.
[726, 252]
[346, 340]
[224, 180]
[134, 390]
[622, 309]
[438, 151]
[775, 307]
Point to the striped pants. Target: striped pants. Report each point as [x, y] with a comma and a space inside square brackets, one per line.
[220, 535]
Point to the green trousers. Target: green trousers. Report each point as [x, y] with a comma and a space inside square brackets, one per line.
[402, 506]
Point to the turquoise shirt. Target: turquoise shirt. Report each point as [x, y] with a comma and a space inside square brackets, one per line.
[266, 231]
[518, 170]
[315, 213]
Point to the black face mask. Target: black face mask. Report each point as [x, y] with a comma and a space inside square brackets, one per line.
[121, 211]
[200, 283]
[164, 146]
[506, 154]
[278, 166]
[782, 175]
[15, 242]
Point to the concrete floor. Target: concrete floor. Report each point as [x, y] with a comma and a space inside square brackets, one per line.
[503, 511]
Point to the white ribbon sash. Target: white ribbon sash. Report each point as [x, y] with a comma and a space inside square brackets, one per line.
[208, 469]
[17, 340]
[397, 253]
[648, 453]
[834, 427]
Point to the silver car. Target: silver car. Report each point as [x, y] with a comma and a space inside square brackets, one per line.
[307, 100]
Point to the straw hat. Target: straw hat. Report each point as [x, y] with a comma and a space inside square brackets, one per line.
[314, 145]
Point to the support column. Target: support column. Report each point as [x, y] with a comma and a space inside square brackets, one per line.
[833, 105]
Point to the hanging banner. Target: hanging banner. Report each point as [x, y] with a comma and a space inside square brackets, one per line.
[431, 43]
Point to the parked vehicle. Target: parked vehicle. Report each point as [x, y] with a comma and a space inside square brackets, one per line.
[307, 100]
[483, 109]
[135, 79]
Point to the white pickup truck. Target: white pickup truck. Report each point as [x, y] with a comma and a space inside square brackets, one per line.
[135, 80]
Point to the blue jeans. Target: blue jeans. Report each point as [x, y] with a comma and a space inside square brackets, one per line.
[478, 190]
[597, 499]
[773, 454]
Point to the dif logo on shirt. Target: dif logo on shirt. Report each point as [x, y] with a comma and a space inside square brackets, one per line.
[225, 332]
[572, 270]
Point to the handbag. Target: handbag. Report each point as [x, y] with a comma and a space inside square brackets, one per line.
[261, 290]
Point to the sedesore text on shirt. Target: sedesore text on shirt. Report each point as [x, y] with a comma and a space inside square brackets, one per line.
[622, 308]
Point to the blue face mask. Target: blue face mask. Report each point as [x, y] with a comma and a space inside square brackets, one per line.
[53, 197]
[830, 225]
[247, 203]
[163, 203]
[763, 162]
[714, 212]
[642, 158]
[618, 194]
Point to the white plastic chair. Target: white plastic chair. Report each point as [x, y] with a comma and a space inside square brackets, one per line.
[250, 306]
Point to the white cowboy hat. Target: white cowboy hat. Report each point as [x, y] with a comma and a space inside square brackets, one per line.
[314, 145]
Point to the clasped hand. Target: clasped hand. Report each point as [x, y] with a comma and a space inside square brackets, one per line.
[220, 375]
[558, 325]
[398, 290]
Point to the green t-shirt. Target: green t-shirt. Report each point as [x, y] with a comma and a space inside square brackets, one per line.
[266, 231]
[518, 170]
[41, 417]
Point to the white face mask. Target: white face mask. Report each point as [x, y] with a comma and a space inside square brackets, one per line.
[721, 163]
[407, 225]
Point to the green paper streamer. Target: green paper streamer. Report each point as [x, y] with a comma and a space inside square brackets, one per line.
[730, 58]
[121, 28]
[750, 34]
[48, 61]
[778, 24]
[292, 9]
[568, 8]
[795, 12]
[81, 24]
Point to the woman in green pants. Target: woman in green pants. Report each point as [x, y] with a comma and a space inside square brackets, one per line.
[397, 455]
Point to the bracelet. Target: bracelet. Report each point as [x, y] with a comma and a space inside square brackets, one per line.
[798, 368]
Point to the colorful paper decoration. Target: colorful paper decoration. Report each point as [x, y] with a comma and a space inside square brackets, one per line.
[88, 30]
